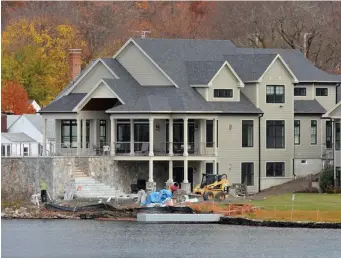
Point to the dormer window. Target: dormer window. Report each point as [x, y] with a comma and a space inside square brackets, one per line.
[223, 93]
[322, 92]
[275, 94]
[300, 92]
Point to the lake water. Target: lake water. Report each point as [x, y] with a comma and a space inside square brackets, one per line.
[96, 239]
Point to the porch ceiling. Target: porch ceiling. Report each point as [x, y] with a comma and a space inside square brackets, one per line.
[100, 104]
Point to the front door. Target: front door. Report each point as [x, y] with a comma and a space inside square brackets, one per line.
[178, 175]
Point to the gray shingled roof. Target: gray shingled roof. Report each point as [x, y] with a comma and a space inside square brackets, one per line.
[308, 107]
[18, 137]
[201, 72]
[64, 104]
[250, 67]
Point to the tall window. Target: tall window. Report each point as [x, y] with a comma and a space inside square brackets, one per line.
[338, 176]
[275, 134]
[69, 133]
[337, 136]
[209, 133]
[141, 131]
[297, 132]
[300, 92]
[321, 91]
[275, 169]
[209, 168]
[313, 132]
[123, 136]
[247, 174]
[329, 135]
[103, 132]
[247, 133]
[275, 94]
[223, 93]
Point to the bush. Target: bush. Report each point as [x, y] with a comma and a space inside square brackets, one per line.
[326, 181]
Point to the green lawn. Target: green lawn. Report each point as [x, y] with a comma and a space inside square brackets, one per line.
[308, 201]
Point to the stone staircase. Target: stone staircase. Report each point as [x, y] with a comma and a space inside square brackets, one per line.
[88, 187]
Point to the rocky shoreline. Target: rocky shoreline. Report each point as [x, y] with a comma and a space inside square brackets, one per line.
[130, 214]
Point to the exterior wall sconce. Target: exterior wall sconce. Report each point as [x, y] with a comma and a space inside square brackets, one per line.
[196, 127]
[157, 127]
[194, 169]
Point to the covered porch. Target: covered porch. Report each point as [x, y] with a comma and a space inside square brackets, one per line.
[92, 133]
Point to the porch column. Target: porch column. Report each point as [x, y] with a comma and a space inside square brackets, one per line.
[170, 172]
[215, 137]
[214, 167]
[170, 133]
[185, 137]
[151, 173]
[151, 136]
[44, 137]
[78, 136]
[95, 126]
[132, 137]
[185, 171]
[84, 135]
[112, 135]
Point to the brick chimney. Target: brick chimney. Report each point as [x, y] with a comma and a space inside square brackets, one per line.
[75, 60]
[3, 123]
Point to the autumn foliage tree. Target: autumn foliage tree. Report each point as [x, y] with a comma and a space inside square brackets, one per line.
[14, 99]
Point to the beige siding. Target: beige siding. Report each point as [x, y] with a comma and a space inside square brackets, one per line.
[305, 150]
[141, 68]
[310, 94]
[327, 102]
[102, 91]
[336, 113]
[224, 80]
[230, 151]
[250, 91]
[277, 75]
[203, 92]
[92, 78]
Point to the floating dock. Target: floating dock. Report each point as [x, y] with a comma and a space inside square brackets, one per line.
[178, 218]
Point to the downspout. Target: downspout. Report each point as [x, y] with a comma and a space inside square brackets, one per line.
[259, 151]
[336, 96]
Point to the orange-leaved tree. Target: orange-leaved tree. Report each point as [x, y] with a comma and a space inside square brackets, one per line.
[14, 99]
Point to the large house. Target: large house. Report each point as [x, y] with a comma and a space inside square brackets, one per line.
[200, 106]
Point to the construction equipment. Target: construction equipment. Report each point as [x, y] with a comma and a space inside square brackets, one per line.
[213, 187]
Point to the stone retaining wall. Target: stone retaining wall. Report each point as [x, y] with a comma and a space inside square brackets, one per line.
[20, 176]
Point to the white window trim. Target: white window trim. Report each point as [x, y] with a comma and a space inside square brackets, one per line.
[285, 135]
[277, 161]
[241, 171]
[253, 130]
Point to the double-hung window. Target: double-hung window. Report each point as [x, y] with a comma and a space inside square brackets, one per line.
[297, 132]
[300, 91]
[275, 169]
[223, 93]
[275, 94]
[247, 174]
[337, 136]
[313, 132]
[329, 134]
[247, 133]
[275, 134]
[321, 92]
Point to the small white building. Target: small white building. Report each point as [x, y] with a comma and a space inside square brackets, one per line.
[32, 125]
[19, 145]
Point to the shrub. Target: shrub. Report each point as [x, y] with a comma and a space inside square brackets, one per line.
[327, 179]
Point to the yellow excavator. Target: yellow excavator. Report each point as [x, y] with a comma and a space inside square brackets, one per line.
[213, 187]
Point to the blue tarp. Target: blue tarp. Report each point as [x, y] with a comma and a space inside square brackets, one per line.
[158, 197]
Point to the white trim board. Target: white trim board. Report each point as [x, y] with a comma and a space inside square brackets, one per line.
[241, 84]
[278, 56]
[81, 104]
[338, 105]
[99, 60]
[131, 40]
